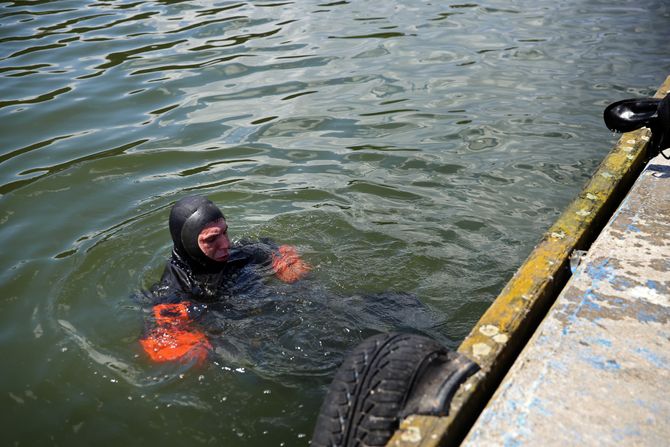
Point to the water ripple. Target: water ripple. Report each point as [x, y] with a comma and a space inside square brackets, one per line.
[414, 147]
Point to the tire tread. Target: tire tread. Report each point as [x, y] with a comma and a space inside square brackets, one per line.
[371, 387]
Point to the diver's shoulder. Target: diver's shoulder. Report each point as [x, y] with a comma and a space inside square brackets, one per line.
[253, 250]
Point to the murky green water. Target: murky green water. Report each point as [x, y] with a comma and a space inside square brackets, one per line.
[411, 146]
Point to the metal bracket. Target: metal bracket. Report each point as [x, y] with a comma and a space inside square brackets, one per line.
[438, 384]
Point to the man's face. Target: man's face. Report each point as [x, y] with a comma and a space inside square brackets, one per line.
[213, 240]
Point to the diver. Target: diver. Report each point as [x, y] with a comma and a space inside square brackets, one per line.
[205, 267]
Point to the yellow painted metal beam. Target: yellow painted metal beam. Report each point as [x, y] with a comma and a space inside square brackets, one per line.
[506, 326]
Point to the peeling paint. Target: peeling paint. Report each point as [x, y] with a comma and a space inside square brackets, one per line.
[481, 350]
[411, 434]
[501, 338]
[650, 295]
[489, 330]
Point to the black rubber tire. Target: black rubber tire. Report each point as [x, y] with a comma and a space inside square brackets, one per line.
[367, 395]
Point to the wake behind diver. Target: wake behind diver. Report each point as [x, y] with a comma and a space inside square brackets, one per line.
[218, 298]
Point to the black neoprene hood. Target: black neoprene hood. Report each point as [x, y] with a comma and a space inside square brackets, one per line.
[187, 219]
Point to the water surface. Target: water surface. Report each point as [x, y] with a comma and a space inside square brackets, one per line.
[410, 146]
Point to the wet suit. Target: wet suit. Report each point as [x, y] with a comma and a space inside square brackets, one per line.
[191, 280]
[206, 284]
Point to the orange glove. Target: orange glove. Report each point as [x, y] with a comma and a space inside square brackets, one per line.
[288, 266]
[172, 314]
[173, 339]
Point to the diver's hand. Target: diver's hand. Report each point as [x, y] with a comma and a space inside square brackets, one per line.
[288, 265]
[174, 338]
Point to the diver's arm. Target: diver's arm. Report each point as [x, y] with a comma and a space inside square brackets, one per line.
[285, 261]
[177, 276]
